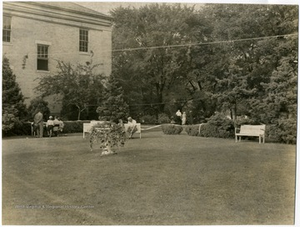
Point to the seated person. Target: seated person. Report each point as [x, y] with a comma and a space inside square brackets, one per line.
[132, 127]
[49, 126]
[58, 125]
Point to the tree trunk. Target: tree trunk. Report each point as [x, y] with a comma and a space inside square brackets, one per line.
[79, 113]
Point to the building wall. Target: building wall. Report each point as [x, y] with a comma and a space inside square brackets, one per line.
[62, 35]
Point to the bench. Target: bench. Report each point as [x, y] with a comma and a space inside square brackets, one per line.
[87, 127]
[138, 126]
[251, 130]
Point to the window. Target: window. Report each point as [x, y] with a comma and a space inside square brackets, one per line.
[6, 29]
[42, 57]
[83, 40]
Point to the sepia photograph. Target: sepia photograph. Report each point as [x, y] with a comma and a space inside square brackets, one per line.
[149, 113]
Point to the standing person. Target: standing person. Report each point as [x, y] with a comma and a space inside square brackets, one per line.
[183, 118]
[178, 117]
[50, 125]
[39, 123]
[61, 125]
[132, 128]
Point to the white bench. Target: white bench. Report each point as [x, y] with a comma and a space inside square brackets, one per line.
[87, 127]
[251, 130]
[138, 127]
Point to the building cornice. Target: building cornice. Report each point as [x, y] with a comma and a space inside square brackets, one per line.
[58, 15]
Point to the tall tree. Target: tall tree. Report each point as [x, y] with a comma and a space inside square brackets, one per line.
[13, 107]
[113, 107]
[152, 70]
[246, 37]
[12, 96]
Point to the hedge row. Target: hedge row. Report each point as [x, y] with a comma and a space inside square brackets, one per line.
[73, 126]
[272, 133]
[24, 128]
[208, 130]
[171, 129]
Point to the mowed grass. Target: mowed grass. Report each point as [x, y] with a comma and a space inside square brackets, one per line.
[157, 180]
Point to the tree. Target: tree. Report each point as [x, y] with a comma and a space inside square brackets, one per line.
[152, 70]
[12, 96]
[113, 107]
[38, 104]
[78, 86]
[241, 67]
[13, 107]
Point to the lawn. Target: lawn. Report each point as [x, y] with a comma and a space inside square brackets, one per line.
[157, 180]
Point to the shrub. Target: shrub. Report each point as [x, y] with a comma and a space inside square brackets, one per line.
[192, 130]
[209, 130]
[148, 119]
[171, 129]
[73, 126]
[8, 123]
[286, 131]
[163, 118]
[245, 121]
[218, 126]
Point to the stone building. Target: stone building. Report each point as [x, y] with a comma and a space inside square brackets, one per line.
[37, 34]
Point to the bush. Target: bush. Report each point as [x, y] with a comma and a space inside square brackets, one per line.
[285, 131]
[245, 121]
[171, 129]
[73, 126]
[163, 119]
[218, 126]
[192, 130]
[148, 119]
[12, 125]
[8, 123]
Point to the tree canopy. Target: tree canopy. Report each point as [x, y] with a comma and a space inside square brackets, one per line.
[77, 85]
[240, 59]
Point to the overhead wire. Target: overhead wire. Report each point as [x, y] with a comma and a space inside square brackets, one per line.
[167, 46]
[201, 44]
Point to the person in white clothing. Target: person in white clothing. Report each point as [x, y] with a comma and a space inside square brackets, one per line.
[183, 118]
[132, 127]
[178, 117]
[50, 125]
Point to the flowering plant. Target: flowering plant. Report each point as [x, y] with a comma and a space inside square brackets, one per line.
[109, 135]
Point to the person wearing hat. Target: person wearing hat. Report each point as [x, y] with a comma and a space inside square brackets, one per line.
[132, 128]
[50, 125]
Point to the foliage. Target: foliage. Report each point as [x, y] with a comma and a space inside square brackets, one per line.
[218, 126]
[13, 107]
[38, 104]
[171, 129]
[192, 130]
[113, 107]
[163, 118]
[73, 126]
[148, 119]
[245, 121]
[8, 121]
[286, 131]
[108, 133]
[152, 71]
[12, 96]
[78, 86]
